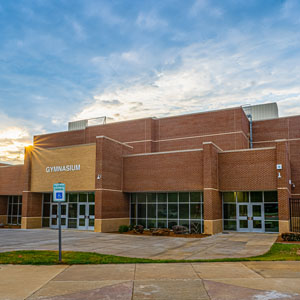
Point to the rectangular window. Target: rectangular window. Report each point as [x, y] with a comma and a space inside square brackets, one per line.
[256, 197]
[14, 210]
[166, 209]
[229, 197]
[270, 196]
[242, 196]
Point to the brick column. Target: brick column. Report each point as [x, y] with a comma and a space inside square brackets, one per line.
[31, 202]
[213, 222]
[283, 186]
[111, 204]
[3, 209]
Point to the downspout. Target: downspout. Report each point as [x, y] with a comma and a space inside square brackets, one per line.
[251, 133]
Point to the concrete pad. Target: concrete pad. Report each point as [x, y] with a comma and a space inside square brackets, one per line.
[74, 288]
[170, 289]
[221, 291]
[164, 271]
[97, 273]
[223, 270]
[218, 246]
[121, 291]
[283, 285]
[19, 282]
[276, 269]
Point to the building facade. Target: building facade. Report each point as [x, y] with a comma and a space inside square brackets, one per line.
[196, 170]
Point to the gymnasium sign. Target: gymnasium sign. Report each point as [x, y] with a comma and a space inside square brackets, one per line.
[65, 168]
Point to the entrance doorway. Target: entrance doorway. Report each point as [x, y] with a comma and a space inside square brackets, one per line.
[250, 217]
[54, 215]
[86, 216]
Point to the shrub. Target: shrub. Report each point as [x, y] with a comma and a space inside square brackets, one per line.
[178, 229]
[123, 228]
[291, 236]
[138, 228]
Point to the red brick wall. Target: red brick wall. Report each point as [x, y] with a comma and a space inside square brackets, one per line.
[266, 132]
[3, 205]
[110, 201]
[248, 170]
[179, 171]
[11, 180]
[159, 134]
[212, 196]
[32, 204]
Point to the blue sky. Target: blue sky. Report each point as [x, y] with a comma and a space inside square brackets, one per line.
[63, 60]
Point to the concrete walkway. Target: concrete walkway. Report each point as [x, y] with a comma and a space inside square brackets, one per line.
[217, 246]
[215, 281]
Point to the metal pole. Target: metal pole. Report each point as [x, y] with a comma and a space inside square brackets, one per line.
[59, 230]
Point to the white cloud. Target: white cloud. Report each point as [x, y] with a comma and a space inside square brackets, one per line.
[231, 72]
[15, 135]
[150, 21]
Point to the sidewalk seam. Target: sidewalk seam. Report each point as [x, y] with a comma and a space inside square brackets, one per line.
[48, 282]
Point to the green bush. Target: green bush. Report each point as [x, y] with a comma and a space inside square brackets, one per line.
[291, 237]
[123, 228]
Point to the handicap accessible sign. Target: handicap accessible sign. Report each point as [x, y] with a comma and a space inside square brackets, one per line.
[59, 192]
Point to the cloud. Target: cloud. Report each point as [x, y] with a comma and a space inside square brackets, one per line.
[15, 135]
[206, 7]
[150, 21]
[12, 142]
[100, 9]
[290, 11]
[239, 69]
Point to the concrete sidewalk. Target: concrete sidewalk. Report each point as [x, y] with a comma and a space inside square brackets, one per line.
[215, 281]
[217, 246]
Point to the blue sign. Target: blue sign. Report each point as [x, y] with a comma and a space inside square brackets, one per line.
[59, 192]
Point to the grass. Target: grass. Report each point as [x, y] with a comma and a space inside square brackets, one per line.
[278, 252]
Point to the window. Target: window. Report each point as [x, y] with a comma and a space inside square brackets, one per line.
[14, 214]
[164, 210]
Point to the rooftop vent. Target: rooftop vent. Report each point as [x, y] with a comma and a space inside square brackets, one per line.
[82, 124]
[261, 111]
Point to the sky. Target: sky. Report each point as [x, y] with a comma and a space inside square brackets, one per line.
[64, 60]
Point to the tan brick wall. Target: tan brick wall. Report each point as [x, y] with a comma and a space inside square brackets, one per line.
[83, 180]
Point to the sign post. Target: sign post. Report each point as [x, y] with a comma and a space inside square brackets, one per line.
[59, 196]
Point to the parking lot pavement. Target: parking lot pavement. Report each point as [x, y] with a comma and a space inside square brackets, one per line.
[217, 246]
[215, 281]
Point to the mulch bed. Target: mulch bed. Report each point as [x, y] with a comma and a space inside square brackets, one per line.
[10, 227]
[280, 240]
[172, 234]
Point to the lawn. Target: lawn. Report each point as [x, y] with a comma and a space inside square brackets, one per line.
[278, 252]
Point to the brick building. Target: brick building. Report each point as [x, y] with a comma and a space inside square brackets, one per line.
[196, 170]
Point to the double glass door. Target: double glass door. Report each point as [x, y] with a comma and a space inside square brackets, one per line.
[250, 217]
[86, 216]
[54, 215]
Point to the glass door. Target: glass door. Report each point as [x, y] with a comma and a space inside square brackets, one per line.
[82, 216]
[91, 210]
[257, 217]
[243, 217]
[54, 215]
[86, 216]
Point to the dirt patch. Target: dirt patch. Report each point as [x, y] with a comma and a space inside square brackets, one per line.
[172, 234]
